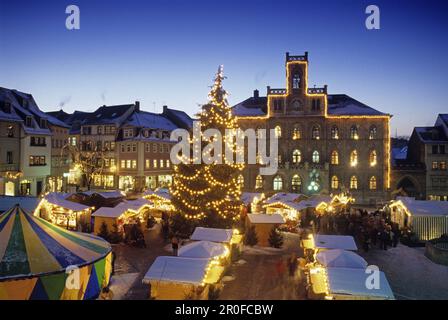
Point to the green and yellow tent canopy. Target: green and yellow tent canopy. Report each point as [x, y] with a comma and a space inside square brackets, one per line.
[36, 258]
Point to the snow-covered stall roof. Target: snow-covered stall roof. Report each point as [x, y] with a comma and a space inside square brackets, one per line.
[202, 249]
[259, 218]
[106, 194]
[323, 241]
[177, 269]
[60, 199]
[121, 208]
[161, 192]
[424, 207]
[352, 282]
[298, 201]
[212, 234]
[248, 197]
[338, 258]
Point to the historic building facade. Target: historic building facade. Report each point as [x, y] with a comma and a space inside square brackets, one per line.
[327, 143]
[422, 173]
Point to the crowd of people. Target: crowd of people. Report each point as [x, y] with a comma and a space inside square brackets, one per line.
[374, 229]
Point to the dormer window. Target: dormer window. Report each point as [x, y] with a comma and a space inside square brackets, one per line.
[128, 133]
[29, 121]
[43, 123]
[296, 81]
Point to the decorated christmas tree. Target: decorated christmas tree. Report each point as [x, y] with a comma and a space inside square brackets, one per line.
[208, 192]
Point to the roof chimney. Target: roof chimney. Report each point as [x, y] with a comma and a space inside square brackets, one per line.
[137, 106]
[165, 108]
[256, 94]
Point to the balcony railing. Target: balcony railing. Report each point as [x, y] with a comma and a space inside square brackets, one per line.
[9, 167]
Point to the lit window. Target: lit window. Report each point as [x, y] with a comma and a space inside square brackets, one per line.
[353, 183]
[278, 183]
[354, 133]
[442, 165]
[316, 157]
[296, 156]
[372, 183]
[128, 164]
[240, 180]
[315, 133]
[334, 182]
[168, 164]
[161, 163]
[296, 183]
[296, 133]
[134, 164]
[373, 158]
[354, 158]
[334, 132]
[147, 163]
[259, 182]
[372, 132]
[154, 163]
[334, 157]
[123, 164]
[278, 131]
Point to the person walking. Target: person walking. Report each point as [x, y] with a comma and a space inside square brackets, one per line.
[396, 234]
[175, 245]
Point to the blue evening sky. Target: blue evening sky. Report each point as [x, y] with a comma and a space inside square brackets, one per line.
[167, 51]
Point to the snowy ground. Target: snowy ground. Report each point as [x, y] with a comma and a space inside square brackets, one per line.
[121, 283]
[410, 274]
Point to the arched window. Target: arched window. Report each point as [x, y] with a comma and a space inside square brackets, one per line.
[315, 133]
[372, 158]
[372, 183]
[334, 132]
[334, 157]
[278, 183]
[296, 183]
[296, 156]
[240, 180]
[296, 133]
[334, 182]
[316, 157]
[296, 81]
[278, 131]
[353, 183]
[259, 182]
[354, 133]
[354, 158]
[372, 132]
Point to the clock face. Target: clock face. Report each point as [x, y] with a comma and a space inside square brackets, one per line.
[296, 105]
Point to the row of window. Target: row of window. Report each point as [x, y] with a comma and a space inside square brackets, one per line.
[98, 146]
[334, 132]
[38, 142]
[108, 130]
[155, 163]
[296, 183]
[149, 147]
[37, 161]
[439, 165]
[58, 143]
[334, 159]
[147, 133]
[438, 149]
[296, 105]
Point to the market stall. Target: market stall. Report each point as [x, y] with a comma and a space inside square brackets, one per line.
[347, 284]
[428, 219]
[252, 201]
[232, 238]
[338, 258]
[206, 250]
[56, 208]
[37, 255]
[181, 278]
[322, 242]
[126, 212]
[161, 200]
[263, 224]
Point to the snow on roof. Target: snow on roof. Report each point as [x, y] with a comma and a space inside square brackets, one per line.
[212, 234]
[297, 201]
[60, 199]
[258, 218]
[424, 207]
[121, 208]
[242, 111]
[202, 249]
[106, 194]
[323, 241]
[248, 197]
[150, 120]
[342, 104]
[341, 259]
[177, 269]
[29, 204]
[352, 282]
[161, 192]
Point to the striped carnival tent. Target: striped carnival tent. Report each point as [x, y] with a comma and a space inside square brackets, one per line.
[40, 261]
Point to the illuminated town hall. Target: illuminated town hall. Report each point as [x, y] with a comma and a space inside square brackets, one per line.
[328, 143]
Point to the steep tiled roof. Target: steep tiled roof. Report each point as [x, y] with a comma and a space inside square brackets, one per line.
[431, 134]
[109, 114]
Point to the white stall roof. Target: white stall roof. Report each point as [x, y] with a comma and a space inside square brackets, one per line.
[425, 207]
[121, 208]
[323, 241]
[212, 234]
[177, 269]
[248, 197]
[338, 258]
[265, 218]
[352, 282]
[106, 194]
[60, 199]
[161, 192]
[202, 249]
